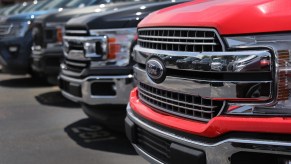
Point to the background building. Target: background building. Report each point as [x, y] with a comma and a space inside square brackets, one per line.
[7, 2]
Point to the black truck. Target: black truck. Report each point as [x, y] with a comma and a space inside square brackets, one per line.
[47, 48]
[97, 70]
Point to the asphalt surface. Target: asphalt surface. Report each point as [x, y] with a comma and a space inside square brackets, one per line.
[38, 125]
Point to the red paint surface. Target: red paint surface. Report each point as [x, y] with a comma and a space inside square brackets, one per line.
[217, 126]
[229, 17]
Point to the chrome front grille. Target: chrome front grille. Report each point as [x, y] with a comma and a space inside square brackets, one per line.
[184, 105]
[5, 29]
[76, 66]
[180, 39]
[75, 61]
[76, 46]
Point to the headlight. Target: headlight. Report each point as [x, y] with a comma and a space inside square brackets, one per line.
[18, 29]
[54, 32]
[280, 46]
[118, 44]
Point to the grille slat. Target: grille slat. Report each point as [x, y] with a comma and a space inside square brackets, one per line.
[187, 40]
[184, 105]
[76, 66]
[76, 32]
[149, 94]
[178, 43]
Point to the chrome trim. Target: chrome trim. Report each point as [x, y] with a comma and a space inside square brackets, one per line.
[83, 55]
[83, 39]
[271, 47]
[75, 64]
[234, 41]
[218, 152]
[189, 29]
[203, 88]
[103, 31]
[145, 155]
[176, 37]
[173, 59]
[76, 55]
[55, 24]
[276, 42]
[76, 31]
[71, 73]
[53, 45]
[181, 43]
[122, 89]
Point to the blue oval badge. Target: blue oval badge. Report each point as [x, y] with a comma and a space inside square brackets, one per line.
[156, 70]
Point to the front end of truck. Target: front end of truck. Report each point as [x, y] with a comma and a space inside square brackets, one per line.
[198, 113]
[15, 37]
[98, 67]
[47, 48]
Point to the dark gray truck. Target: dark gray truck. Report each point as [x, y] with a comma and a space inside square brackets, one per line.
[97, 70]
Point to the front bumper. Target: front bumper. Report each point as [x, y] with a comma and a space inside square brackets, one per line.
[97, 90]
[178, 147]
[47, 61]
[15, 54]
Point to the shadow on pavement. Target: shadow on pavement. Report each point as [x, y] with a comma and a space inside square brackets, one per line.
[55, 99]
[25, 82]
[89, 134]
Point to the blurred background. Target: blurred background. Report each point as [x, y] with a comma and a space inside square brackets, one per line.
[9, 2]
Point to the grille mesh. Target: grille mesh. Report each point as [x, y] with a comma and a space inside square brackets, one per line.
[184, 105]
[187, 40]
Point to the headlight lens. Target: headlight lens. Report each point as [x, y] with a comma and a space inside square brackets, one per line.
[281, 46]
[18, 29]
[54, 32]
[118, 44]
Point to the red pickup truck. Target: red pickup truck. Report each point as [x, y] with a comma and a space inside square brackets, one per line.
[214, 83]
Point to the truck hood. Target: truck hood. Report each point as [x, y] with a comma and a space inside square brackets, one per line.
[228, 17]
[28, 16]
[67, 14]
[121, 17]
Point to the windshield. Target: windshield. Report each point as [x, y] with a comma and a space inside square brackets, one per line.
[36, 6]
[24, 6]
[7, 10]
[80, 3]
[20, 7]
[55, 4]
[68, 4]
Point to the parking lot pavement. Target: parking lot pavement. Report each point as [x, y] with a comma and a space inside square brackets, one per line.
[38, 125]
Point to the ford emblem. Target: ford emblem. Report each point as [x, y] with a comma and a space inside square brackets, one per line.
[156, 70]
